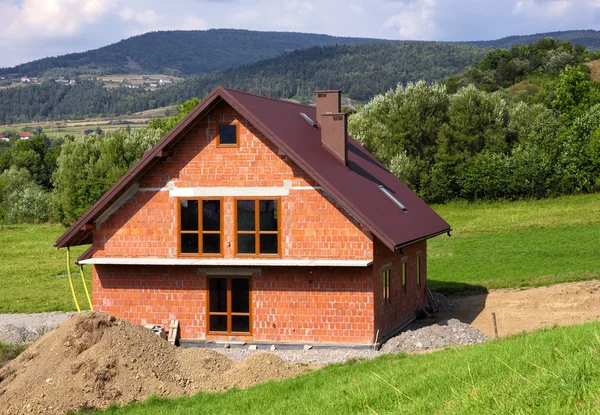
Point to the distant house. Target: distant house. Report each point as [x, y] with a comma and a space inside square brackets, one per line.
[260, 220]
[2, 138]
[72, 82]
[164, 81]
[25, 136]
[25, 80]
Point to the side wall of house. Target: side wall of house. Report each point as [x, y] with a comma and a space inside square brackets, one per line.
[303, 304]
[313, 225]
[402, 306]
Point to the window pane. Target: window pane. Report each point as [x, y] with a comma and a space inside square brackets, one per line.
[246, 244]
[189, 243]
[240, 292]
[218, 295]
[218, 323]
[228, 134]
[268, 215]
[189, 215]
[245, 215]
[211, 215]
[240, 324]
[211, 243]
[268, 244]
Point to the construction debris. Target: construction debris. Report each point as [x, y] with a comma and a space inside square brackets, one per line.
[93, 359]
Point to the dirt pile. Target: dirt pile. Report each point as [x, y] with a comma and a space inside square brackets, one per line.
[93, 359]
[448, 333]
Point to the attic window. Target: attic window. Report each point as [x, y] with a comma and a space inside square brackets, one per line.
[228, 135]
[393, 198]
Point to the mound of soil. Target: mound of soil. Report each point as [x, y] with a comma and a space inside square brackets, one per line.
[448, 333]
[93, 359]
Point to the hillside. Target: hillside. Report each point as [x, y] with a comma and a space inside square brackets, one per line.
[177, 53]
[588, 38]
[360, 70]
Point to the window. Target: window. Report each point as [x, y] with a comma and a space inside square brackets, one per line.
[228, 135]
[229, 305]
[418, 271]
[200, 227]
[404, 278]
[386, 286]
[257, 227]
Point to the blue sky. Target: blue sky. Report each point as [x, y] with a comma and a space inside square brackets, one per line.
[32, 29]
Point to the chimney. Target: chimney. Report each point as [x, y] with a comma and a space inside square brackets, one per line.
[333, 124]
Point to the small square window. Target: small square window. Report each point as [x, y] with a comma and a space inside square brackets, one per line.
[228, 134]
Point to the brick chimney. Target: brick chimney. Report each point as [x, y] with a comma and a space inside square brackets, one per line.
[333, 124]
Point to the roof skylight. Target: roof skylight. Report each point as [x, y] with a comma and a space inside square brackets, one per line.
[393, 198]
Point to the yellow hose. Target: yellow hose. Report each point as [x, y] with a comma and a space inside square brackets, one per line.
[87, 293]
[71, 279]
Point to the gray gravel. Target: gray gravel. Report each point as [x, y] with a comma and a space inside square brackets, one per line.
[443, 302]
[319, 356]
[19, 328]
[447, 333]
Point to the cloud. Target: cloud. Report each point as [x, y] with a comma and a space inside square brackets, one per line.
[414, 19]
[149, 20]
[244, 17]
[56, 18]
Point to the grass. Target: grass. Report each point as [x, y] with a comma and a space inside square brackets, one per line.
[33, 273]
[516, 244]
[553, 371]
[10, 351]
[493, 245]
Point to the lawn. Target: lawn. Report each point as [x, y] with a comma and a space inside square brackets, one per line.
[33, 274]
[515, 244]
[492, 245]
[553, 371]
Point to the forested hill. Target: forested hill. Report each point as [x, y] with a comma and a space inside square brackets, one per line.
[360, 70]
[178, 53]
[588, 38]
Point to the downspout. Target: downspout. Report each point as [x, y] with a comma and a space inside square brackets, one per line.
[71, 279]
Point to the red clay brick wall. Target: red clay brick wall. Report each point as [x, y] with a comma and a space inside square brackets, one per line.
[313, 225]
[311, 305]
[403, 306]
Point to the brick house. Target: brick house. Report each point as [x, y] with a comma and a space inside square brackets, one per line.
[260, 220]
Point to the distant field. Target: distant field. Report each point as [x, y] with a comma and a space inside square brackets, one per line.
[553, 371]
[137, 79]
[33, 273]
[594, 70]
[514, 244]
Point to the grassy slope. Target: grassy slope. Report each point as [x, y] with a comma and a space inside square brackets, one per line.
[33, 273]
[515, 244]
[554, 371]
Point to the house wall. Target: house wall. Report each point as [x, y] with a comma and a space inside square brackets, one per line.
[389, 318]
[303, 304]
[313, 226]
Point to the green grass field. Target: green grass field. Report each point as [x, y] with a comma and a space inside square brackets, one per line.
[492, 245]
[515, 244]
[33, 273]
[553, 371]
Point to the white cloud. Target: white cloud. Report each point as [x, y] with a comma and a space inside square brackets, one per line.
[414, 19]
[544, 8]
[57, 18]
[149, 20]
[244, 17]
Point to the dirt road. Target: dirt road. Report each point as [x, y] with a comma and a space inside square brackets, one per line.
[529, 309]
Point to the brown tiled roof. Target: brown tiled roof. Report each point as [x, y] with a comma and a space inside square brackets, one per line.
[356, 186]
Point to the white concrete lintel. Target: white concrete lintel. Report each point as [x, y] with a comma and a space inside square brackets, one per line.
[229, 191]
[229, 262]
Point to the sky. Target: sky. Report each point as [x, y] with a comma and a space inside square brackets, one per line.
[33, 29]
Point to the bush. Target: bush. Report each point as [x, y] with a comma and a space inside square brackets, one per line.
[22, 200]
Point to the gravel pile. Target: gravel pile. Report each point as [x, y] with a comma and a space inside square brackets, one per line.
[315, 356]
[447, 333]
[443, 302]
[26, 328]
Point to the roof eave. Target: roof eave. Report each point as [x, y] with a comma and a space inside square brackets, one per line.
[433, 235]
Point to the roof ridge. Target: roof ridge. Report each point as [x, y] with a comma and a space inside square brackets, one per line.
[269, 98]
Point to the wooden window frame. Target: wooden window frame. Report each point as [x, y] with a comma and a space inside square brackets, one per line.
[418, 271]
[257, 232]
[403, 277]
[229, 313]
[386, 277]
[200, 232]
[237, 134]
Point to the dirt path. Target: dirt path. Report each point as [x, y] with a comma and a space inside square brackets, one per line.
[529, 309]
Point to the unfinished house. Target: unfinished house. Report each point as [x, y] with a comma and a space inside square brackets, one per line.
[260, 220]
